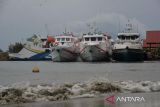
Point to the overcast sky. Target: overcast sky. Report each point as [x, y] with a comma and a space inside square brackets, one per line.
[20, 19]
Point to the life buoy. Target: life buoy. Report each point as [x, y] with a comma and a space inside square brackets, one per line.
[35, 69]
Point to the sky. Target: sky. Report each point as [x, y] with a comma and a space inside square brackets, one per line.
[20, 19]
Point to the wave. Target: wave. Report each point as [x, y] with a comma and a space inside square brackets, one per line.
[24, 92]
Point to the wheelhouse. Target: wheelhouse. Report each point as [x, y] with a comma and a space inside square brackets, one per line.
[128, 36]
[92, 38]
[64, 39]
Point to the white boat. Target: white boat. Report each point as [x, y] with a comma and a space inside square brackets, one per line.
[35, 48]
[66, 48]
[128, 46]
[95, 47]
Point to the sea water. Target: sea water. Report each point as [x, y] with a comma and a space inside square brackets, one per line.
[131, 78]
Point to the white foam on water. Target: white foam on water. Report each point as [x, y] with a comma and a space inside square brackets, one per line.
[87, 89]
[156, 86]
[77, 89]
[132, 86]
[84, 96]
[20, 85]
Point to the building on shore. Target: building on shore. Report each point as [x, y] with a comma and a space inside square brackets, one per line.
[152, 44]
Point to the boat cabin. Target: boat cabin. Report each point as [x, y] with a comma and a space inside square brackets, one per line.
[93, 38]
[128, 36]
[64, 39]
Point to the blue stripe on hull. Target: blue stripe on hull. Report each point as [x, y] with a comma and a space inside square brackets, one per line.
[41, 56]
[37, 57]
[128, 55]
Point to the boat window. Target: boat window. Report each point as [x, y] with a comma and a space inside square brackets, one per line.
[127, 37]
[86, 39]
[136, 36]
[58, 39]
[63, 39]
[132, 37]
[99, 38]
[119, 37]
[67, 39]
[93, 38]
[123, 38]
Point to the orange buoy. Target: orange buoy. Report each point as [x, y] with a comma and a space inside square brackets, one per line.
[35, 69]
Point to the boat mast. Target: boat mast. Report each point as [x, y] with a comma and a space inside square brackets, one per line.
[128, 27]
[46, 28]
[65, 30]
[137, 29]
[119, 24]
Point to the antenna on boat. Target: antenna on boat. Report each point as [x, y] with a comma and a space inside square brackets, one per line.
[92, 28]
[137, 29]
[89, 27]
[65, 31]
[46, 27]
[128, 26]
[119, 24]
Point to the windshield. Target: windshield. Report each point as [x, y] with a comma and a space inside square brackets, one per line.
[93, 38]
[86, 39]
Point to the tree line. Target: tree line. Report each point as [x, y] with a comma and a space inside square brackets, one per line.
[15, 48]
[1, 50]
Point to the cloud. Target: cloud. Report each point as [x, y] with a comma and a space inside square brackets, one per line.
[2, 4]
[73, 15]
[111, 22]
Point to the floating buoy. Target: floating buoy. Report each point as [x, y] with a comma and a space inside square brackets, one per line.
[35, 69]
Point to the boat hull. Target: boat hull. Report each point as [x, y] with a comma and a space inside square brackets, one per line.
[64, 55]
[94, 54]
[28, 55]
[128, 55]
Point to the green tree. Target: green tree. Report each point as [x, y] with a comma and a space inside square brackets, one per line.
[1, 50]
[15, 48]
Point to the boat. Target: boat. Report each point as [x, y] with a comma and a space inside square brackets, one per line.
[128, 46]
[65, 48]
[95, 47]
[36, 48]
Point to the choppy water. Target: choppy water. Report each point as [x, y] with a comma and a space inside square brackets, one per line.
[129, 77]
[11, 72]
[152, 100]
